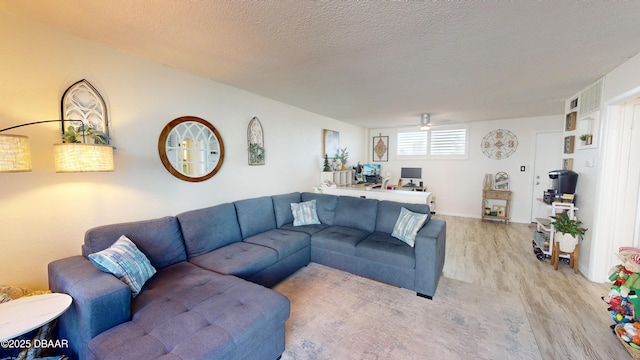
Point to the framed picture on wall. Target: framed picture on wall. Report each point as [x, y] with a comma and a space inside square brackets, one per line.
[568, 144]
[570, 122]
[380, 148]
[331, 143]
[501, 181]
[567, 164]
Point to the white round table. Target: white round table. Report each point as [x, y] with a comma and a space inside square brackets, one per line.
[27, 313]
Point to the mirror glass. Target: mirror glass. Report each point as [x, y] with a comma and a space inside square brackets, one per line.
[191, 149]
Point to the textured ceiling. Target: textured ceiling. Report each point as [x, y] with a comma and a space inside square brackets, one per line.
[371, 63]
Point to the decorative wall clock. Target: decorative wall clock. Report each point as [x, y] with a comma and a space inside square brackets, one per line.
[499, 144]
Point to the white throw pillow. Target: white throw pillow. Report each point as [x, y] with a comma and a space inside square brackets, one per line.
[408, 225]
[305, 213]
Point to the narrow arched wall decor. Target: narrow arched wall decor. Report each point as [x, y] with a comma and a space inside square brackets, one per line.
[255, 140]
[81, 101]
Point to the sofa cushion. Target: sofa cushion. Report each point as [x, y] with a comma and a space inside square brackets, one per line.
[284, 242]
[307, 229]
[207, 229]
[408, 225]
[356, 213]
[339, 239]
[325, 205]
[255, 215]
[282, 207]
[240, 259]
[186, 312]
[383, 248]
[388, 212]
[126, 262]
[160, 239]
[304, 213]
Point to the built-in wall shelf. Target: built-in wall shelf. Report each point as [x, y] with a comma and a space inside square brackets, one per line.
[588, 124]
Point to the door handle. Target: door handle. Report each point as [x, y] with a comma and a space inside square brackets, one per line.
[537, 182]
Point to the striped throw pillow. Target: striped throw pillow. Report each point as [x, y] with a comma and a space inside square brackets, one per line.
[126, 262]
[408, 225]
[305, 213]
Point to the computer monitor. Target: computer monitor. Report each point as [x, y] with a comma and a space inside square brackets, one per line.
[411, 173]
[371, 173]
[371, 169]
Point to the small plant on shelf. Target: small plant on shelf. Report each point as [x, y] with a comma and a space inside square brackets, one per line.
[75, 135]
[325, 166]
[586, 138]
[344, 157]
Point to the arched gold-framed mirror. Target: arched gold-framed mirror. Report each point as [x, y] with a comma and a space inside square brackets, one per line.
[191, 149]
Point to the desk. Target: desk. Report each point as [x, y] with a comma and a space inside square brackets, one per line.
[407, 188]
[27, 313]
[403, 196]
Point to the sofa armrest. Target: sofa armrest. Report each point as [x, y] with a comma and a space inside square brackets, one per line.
[430, 252]
[100, 301]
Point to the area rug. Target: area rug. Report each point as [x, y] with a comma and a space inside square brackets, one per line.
[338, 315]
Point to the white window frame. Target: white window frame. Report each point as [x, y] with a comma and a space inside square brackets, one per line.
[428, 154]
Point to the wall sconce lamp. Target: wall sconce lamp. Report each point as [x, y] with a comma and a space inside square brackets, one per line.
[15, 154]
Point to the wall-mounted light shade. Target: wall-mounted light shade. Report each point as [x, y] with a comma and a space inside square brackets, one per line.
[425, 121]
[15, 154]
[74, 157]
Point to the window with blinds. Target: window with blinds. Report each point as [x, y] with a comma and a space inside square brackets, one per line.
[413, 143]
[438, 142]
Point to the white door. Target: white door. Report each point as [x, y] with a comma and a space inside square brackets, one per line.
[547, 157]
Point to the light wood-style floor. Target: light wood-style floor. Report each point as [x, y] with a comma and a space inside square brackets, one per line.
[565, 310]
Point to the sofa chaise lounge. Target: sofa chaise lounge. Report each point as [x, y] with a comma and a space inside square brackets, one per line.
[209, 297]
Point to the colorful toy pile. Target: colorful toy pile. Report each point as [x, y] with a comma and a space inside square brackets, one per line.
[624, 296]
[630, 333]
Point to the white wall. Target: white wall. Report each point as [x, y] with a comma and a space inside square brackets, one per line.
[457, 184]
[43, 215]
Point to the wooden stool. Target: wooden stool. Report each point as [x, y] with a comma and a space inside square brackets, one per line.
[573, 256]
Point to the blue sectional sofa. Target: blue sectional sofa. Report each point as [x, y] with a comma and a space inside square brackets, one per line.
[210, 296]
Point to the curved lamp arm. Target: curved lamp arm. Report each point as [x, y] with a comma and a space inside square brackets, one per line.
[48, 121]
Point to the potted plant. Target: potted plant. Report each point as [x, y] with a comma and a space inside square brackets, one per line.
[327, 174]
[75, 135]
[586, 139]
[344, 157]
[568, 231]
[325, 166]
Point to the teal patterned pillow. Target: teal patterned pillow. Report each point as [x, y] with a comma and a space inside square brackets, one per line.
[126, 262]
[305, 213]
[408, 225]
